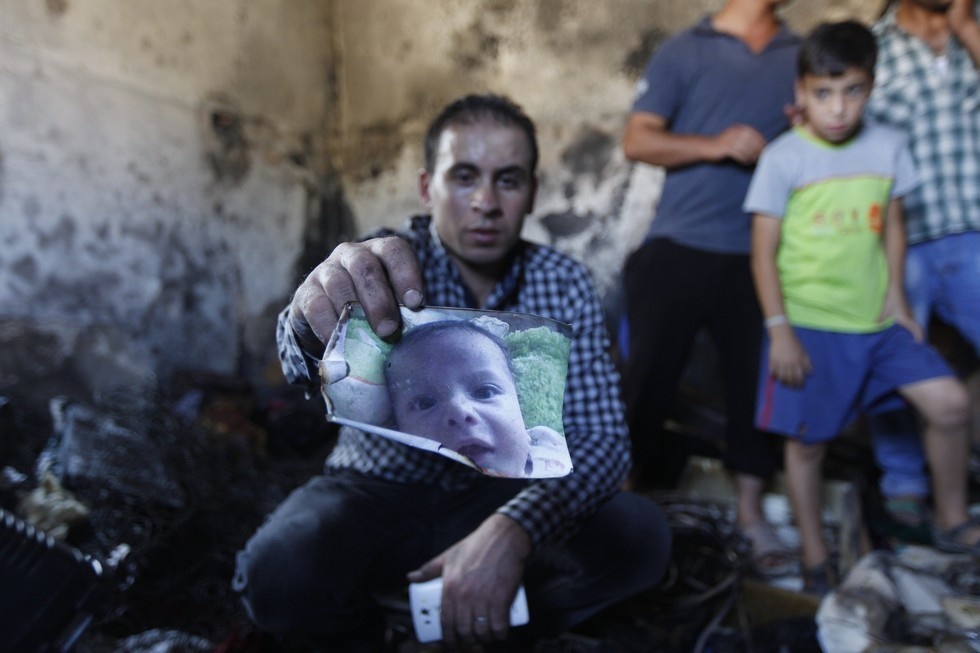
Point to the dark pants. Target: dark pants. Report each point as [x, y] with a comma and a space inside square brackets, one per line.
[310, 569]
[672, 292]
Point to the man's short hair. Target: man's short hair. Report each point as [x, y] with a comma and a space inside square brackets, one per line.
[832, 48]
[471, 109]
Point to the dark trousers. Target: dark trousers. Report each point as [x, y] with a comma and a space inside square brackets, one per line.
[672, 292]
[311, 568]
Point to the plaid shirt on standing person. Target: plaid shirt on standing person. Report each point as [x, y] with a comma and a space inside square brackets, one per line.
[935, 100]
[540, 281]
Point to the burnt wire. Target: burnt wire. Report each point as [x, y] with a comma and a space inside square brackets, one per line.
[709, 561]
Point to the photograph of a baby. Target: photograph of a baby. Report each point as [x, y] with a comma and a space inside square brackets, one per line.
[483, 388]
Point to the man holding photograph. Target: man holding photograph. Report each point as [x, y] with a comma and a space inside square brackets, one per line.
[383, 512]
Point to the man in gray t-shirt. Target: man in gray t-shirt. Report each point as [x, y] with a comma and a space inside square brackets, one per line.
[710, 99]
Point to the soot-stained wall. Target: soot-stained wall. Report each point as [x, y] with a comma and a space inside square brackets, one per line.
[160, 164]
[572, 64]
[169, 169]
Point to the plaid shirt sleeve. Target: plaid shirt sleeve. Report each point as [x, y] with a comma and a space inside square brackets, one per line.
[552, 509]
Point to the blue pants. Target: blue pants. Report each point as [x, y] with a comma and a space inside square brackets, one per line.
[853, 373]
[310, 570]
[942, 277]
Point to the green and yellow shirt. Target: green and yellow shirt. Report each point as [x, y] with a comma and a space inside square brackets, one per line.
[832, 200]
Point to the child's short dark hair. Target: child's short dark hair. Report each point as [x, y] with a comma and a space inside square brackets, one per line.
[435, 330]
[831, 48]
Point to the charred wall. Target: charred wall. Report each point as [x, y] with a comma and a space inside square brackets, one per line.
[168, 171]
[572, 64]
[160, 164]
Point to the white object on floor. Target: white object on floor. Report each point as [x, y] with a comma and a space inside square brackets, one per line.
[852, 618]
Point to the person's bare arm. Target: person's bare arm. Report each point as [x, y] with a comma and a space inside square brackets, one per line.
[374, 272]
[896, 305]
[647, 139]
[963, 23]
[480, 576]
[788, 360]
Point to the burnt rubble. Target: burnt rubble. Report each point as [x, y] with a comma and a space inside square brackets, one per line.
[161, 494]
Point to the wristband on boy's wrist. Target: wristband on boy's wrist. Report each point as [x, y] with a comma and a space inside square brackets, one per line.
[775, 320]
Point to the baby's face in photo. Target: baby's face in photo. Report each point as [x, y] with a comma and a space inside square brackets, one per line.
[456, 388]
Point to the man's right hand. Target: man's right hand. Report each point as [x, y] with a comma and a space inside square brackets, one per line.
[964, 24]
[741, 143]
[960, 15]
[378, 273]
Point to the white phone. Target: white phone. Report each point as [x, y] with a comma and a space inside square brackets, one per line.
[426, 599]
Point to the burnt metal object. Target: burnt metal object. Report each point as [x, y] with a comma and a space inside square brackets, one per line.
[49, 591]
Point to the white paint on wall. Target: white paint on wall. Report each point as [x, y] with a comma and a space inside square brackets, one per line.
[122, 203]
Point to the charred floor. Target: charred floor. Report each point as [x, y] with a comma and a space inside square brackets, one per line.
[160, 493]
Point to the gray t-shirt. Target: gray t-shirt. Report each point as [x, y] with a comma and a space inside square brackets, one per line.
[703, 81]
[833, 201]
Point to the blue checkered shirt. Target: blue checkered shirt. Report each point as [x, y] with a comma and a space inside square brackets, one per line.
[540, 281]
[936, 102]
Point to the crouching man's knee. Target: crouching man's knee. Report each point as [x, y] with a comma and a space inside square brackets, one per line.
[269, 596]
[283, 599]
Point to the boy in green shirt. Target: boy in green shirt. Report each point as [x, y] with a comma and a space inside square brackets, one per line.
[828, 248]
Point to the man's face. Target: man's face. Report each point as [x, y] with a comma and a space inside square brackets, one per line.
[479, 191]
[457, 389]
[833, 106]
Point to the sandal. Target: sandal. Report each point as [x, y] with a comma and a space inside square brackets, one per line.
[948, 540]
[770, 557]
[821, 579]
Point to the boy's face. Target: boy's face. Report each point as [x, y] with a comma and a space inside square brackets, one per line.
[458, 390]
[833, 106]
